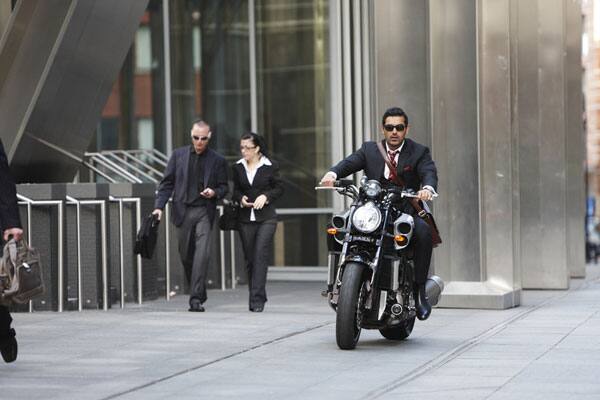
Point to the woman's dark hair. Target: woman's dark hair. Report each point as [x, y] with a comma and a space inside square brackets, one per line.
[257, 140]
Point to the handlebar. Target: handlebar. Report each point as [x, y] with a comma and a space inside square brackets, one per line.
[344, 185]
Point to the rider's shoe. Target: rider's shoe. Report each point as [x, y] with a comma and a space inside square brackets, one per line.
[422, 306]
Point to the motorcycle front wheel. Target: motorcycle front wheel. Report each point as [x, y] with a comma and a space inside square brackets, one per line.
[400, 332]
[347, 323]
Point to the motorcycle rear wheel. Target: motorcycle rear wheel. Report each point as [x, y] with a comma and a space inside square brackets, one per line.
[400, 332]
[347, 324]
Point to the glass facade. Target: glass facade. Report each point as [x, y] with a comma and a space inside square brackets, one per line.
[293, 114]
[134, 115]
[212, 46]
[210, 70]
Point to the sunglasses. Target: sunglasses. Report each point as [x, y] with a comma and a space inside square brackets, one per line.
[390, 128]
[242, 148]
[203, 138]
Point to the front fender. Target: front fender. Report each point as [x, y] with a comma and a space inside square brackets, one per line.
[358, 260]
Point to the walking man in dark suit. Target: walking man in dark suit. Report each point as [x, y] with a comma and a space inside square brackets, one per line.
[196, 177]
[416, 168]
[11, 226]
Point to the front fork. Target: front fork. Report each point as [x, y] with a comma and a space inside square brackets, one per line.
[398, 302]
[333, 279]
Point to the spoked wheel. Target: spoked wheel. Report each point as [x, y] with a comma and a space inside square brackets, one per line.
[349, 307]
[399, 332]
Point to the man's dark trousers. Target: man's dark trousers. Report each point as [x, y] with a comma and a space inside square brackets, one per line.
[194, 237]
[5, 320]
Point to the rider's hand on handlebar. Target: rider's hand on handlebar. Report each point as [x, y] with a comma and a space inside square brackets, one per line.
[425, 195]
[328, 179]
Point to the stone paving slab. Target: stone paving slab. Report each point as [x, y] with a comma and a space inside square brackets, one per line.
[549, 348]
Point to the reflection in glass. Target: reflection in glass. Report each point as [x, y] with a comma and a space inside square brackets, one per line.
[301, 240]
[293, 92]
[210, 70]
[293, 114]
[133, 117]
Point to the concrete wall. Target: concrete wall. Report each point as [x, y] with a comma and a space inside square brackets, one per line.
[495, 89]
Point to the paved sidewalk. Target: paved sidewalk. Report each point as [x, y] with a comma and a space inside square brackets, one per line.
[549, 348]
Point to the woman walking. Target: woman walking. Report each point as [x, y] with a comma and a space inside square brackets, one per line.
[256, 186]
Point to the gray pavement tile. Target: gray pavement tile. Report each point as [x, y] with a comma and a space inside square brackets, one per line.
[547, 392]
[461, 394]
[546, 349]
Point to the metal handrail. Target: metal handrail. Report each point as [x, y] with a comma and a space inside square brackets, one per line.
[29, 202]
[221, 210]
[138, 219]
[167, 251]
[79, 271]
[160, 155]
[138, 161]
[232, 254]
[72, 156]
[129, 166]
[156, 155]
[102, 159]
[111, 167]
[103, 244]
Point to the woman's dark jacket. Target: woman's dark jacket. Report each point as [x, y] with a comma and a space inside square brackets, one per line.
[266, 181]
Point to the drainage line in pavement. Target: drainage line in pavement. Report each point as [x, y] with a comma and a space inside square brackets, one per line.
[457, 351]
[185, 371]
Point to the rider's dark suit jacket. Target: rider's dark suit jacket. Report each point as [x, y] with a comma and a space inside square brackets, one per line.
[175, 181]
[415, 165]
[417, 169]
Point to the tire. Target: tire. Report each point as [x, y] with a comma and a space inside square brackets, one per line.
[347, 328]
[399, 332]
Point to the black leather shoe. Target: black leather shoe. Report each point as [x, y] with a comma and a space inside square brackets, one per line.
[422, 306]
[196, 306]
[257, 309]
[8, 346]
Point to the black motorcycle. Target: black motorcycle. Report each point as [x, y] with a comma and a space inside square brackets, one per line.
[371, 271]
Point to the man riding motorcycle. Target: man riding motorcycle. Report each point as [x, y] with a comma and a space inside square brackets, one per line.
[413, 167]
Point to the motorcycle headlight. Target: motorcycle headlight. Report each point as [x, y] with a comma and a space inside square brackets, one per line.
[366, 218]
[372, 188]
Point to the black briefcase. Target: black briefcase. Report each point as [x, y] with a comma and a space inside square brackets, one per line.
[145, 241]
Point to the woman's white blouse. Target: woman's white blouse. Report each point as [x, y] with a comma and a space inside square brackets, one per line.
[251, 174]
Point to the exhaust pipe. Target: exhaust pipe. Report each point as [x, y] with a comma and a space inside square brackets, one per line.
[434, 287]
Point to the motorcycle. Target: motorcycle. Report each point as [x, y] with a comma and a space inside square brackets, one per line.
[370, 265]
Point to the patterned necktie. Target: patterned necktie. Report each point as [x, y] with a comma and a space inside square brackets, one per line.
[392, 156]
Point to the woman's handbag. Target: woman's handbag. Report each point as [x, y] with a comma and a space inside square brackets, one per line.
[229, 220]
[20, 273]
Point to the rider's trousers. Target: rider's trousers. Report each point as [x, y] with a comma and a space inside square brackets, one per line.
[422, 249]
